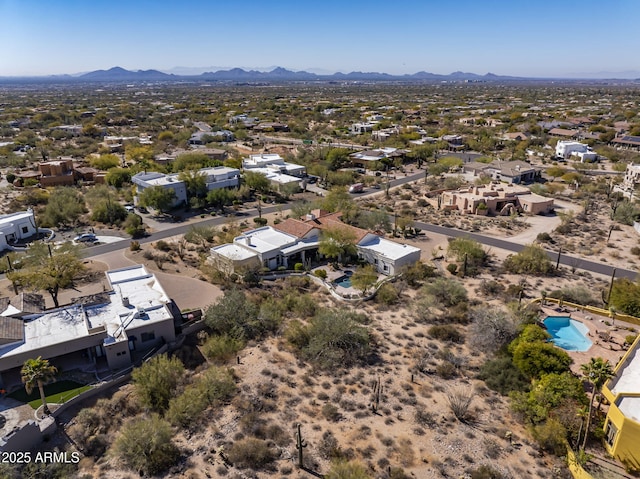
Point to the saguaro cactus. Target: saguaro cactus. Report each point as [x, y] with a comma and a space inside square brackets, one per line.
[300, 445]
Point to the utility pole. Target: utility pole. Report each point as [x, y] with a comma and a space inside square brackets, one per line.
[558, 260]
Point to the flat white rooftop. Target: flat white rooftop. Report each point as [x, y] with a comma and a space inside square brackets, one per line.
[630, 407]
[389, 249]
[234, 252]
[628, 378]
[11, 217]
[266, 239]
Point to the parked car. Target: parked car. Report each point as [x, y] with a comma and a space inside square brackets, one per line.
[129, 208]
[86, 238]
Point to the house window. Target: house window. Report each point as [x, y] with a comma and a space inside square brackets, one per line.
[375, 261]
[610, 433]
[25, 229]
[385, 268]
[144, 337]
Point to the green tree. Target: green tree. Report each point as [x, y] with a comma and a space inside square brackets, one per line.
[105, 162]
[64, 207]
[237, 316]
[364, 278]
[597, 371]
[337, 242]
[37, 372]
[192, 161]
[337, 158]
[220, 197]
[118, 177]
[157, 197]
[47, 271]
[256, 181]
[335, 339]
[145, 445]
[444, 165]
[133, 225]
[156, 381]
[469, 252]
[109, 212]
[141, 155]
[447, 292]
[556, 172]
[625, 296]
[195, 181]
[534, 356]
[532, 259]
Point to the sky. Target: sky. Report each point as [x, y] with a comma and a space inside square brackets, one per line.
[533, 38]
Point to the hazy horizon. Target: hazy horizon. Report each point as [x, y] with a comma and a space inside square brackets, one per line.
[566, 39]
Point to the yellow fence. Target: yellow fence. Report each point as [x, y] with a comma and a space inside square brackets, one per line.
[592, 309]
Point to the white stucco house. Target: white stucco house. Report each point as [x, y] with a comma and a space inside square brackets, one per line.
[297, 241]
[216, 177]
[15, 227]
[566, 149]
[133, 316]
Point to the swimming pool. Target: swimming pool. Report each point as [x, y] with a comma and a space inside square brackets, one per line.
[344, 281]
[567, 333]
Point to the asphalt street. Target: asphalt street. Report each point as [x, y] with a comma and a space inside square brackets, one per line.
[566, 260]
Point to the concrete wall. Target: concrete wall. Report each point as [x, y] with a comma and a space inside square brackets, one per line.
[22, 439]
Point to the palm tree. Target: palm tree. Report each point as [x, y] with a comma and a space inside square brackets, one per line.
[37, 372]
[596, 371]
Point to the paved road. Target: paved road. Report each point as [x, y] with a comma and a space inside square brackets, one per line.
[565, 260]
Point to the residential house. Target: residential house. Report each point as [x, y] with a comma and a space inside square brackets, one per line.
[297, 241]
[627, 141]
[57, 173]
[631, 179]
[622, 425]
[493, 199]
[359, 128]
[282, 175]
[90, 175]
[216, 177]
[144, 180]
[371, 158]
[562, 132]
[204, 137]
[515, 172]
[516, 136]
[15, 227]
[267, 126]
[134, 316]
[566, 149]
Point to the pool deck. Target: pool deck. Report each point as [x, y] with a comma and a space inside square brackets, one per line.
[611, 349]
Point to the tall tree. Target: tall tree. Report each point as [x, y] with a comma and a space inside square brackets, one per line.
[157, 197]
[64, 207]
[49, 270]
[364, 278]
[337, 242]
[37, 372]
[597, 371]
[195, 181]
[256, 181]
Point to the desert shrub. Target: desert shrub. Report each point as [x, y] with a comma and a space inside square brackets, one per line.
[260, 221]
[156, 380]
[537, 358]
[491, 287]
[470, 251]
[335, 339]
[329, 447]
[162, 245]
[387, 294]
[251, 453]
[491, 328]
[446, 291]
[134, 246]
[185, 409]
[452, 268]
[551, 436]
[415, 274]
[576, 294]
[485, 472]
[425, 418]
[235, 315]
[446, 369]
[331, 412]
[459, 401]
[298, 267]
[531, 260]
[347, 470]
[321, 273]
[446, 332]
[221, 348]
[635, 250]
[630, 338]
[501, 375]
[625, 296]
[145, 445]
[109, 212]
[544, 237]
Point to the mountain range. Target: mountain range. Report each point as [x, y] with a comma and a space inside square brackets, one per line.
[277, 74]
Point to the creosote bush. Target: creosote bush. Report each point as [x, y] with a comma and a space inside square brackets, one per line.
[251, 453]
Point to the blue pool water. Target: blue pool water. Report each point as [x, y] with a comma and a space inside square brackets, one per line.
[567, 333]
[344, 281]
